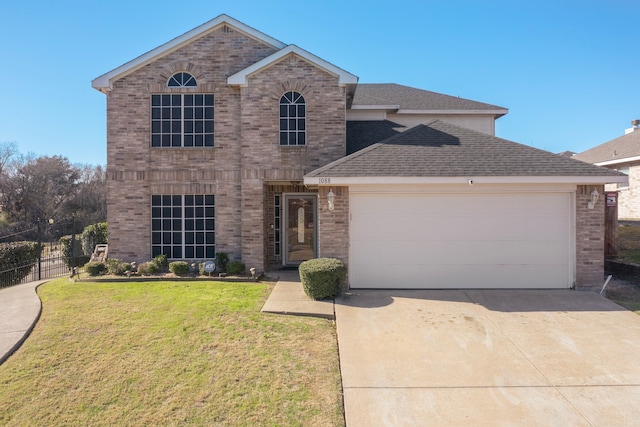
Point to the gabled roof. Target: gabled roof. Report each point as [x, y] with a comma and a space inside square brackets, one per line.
[405, 99]
[344, 77]
[620, 150]
[103, 83]
[440, 152]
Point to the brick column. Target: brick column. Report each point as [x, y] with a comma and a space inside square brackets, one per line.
[589, 239]
[333, 231]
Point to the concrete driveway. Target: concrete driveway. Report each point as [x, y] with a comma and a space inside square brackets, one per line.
[488, 358]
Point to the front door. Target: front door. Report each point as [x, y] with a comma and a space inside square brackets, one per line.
[300, 231]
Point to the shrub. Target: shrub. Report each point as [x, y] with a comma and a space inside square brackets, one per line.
[236, 267]
[147, 268]
[118, 267]
[322, 277]
[222, 259]
[179, 267]
[16, 261]
[95, 268]
[92, 235]
[161, 262]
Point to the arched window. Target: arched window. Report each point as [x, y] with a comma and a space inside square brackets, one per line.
[182, 80]
[293, 115]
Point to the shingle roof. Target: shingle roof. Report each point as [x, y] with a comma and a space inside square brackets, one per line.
[440, 149]
[361, 134]
[617, 149]
[409, 98]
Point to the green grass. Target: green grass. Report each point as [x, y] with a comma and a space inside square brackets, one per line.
[629, 243]
[170, 353]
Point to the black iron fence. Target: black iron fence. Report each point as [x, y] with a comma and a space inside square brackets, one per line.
[47, 266]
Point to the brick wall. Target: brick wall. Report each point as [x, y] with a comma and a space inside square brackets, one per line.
[333, 225]
[629, 197]
[589, 239]
[246, 152]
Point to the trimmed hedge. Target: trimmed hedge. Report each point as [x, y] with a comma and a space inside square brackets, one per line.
[147, 268]
[236, 267]
[16, 261]
[95, 268]
[180, 268]
[118, 267]
[322, 277]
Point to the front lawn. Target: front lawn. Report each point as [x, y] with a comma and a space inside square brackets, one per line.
[170, 353]
[629, 243]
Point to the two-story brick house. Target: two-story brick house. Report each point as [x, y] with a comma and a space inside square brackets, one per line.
[227, 140]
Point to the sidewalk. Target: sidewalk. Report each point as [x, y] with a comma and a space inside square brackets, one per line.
[288, 297]
[19, 311]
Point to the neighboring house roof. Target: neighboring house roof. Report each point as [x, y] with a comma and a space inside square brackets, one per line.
[567, 154]
[344, 77]
[440, 152]
[620, 150]
[103, 83]
[407, 99]
[361, 134]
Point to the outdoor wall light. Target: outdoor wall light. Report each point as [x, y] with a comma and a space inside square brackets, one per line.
[594, 199]
[331, 199]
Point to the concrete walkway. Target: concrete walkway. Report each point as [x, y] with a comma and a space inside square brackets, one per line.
[19, 311]
[288, 297]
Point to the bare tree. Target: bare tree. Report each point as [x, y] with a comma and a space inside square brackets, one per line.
[38, 187]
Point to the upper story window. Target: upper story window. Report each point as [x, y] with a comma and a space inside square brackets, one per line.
[293, 116]
[182, 80]
[182, 120]
[625, 170]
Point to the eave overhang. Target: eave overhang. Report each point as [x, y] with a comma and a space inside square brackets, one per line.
[618, 161]
[468, 180]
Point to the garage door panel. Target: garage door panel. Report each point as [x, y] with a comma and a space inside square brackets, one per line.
[400, 227]
[470, 205]
[467, 277]
[461, 240]
[459, 252]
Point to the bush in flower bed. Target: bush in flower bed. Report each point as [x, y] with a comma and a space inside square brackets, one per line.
[322, 277]
[95, 268]
[236, 267]
[118, 267]
[179, 268]
[147, 268]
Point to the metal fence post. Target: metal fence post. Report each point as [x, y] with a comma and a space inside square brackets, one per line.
[39, 251]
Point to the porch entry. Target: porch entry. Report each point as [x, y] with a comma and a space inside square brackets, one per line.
[300, 231]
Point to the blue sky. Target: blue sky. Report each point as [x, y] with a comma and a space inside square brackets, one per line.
[566, 70]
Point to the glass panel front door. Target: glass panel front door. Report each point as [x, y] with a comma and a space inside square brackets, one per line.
[301, 228]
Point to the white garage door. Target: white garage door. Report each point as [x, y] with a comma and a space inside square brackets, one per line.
[437, 241]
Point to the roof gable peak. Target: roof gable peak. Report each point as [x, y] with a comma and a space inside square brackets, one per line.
[103, 83]
[344, 77]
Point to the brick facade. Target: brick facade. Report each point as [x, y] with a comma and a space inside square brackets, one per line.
[246, 155]
[629, 197]
[589, 239]
[333, 226]
[247, 168]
